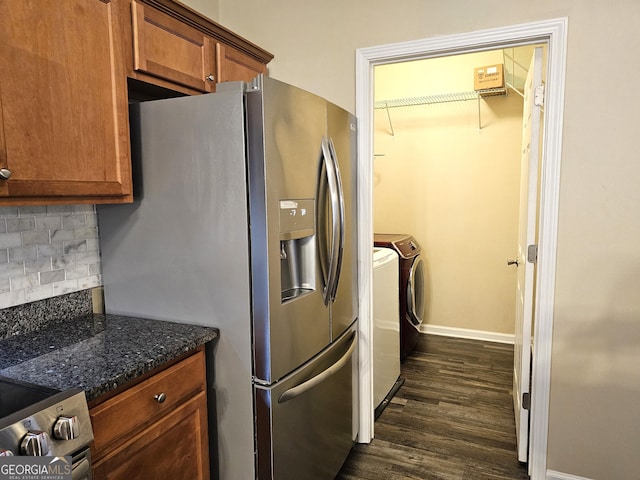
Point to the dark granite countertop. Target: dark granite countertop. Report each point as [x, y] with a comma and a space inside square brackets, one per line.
[97, 353]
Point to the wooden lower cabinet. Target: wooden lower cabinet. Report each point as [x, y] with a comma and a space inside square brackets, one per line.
[174, 447]
[156, 429]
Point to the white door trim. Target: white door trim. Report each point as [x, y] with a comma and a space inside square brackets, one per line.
[554, 34]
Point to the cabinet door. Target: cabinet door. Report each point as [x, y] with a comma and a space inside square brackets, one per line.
[169, 49]
[235, 65]
[64, 131]
[175, 447]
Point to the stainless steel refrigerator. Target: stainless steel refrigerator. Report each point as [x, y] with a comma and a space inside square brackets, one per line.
[244, 219]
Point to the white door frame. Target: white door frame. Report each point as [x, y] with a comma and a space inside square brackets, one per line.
[554, 34]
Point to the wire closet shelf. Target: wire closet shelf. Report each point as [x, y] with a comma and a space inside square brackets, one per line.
[476, 95]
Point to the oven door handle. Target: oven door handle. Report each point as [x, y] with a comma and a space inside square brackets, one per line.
[81, 470]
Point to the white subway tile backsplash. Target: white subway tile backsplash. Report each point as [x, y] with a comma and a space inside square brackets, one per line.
[52, 276]
[89, 282]
[11, 269]
[93, 245]
[61, 235]
[95, 269]
[80, 271]
[73, 221]
[47, 251]
[48, 223]
[35, 237]
[38, 265]
[75, 246]
[41, 292]
[63, 261]
[24, 281]
[20, 224]
[21, 254]
[10, 239]
[85, 232]
[50, 250]
[66, 286]
[88, 257]
[17, 297]
[39, 210]
[8, 212]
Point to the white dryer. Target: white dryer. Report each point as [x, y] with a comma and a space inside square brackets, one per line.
[386, 327]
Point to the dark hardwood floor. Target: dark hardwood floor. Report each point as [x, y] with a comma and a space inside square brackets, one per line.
[451, 420]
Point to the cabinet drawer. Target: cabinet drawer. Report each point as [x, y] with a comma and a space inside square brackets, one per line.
[169, 49]
[175, 447]
[136, 407]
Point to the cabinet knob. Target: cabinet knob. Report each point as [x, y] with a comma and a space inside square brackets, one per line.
[210, 77]
[5, 174]
[35, 444]
[66, 428]
[160, 397]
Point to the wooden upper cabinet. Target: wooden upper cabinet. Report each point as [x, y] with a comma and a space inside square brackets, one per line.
[174, 47]
[169, 49]
[236, 65]
[64, 134]
[64, 88]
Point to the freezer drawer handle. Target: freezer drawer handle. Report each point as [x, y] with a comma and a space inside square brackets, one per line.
[321, 377]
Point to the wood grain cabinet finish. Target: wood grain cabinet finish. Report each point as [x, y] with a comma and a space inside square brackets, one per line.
[236, 65]
[155, 429]
[169, 49]
[64, 135]
[64, 68]
[174, 47]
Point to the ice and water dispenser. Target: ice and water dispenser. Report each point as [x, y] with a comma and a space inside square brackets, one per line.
[297, 248]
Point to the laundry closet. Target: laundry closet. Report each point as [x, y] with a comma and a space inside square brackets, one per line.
[446, 170]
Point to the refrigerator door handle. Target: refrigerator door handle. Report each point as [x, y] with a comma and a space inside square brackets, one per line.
[340, 215]
[331, 253]
[322, 376]
[321, 222]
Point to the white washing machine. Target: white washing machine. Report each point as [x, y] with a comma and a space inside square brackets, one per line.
[386, 327]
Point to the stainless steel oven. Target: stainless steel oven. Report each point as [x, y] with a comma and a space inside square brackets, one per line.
[38, 421]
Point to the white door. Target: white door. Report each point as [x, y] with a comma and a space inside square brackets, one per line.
[526, 237]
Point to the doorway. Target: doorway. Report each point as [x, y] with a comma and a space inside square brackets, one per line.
[553, 34]
[446, 170]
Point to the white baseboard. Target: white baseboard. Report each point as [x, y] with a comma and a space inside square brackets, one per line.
[467, 333]
[553, 475]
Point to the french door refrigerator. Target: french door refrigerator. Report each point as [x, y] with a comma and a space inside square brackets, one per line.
[244, 219]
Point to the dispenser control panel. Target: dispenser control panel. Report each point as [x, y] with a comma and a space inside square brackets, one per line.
[297, 218]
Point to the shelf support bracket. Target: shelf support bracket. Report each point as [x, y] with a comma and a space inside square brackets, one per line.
[393, 134]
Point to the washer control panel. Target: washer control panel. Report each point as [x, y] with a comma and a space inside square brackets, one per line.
[407, 248]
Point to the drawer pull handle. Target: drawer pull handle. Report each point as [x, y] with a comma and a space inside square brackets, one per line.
[160, 397]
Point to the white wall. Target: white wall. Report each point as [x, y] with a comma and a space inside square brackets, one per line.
[594, 425]
[453, 186]
[208, 8]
